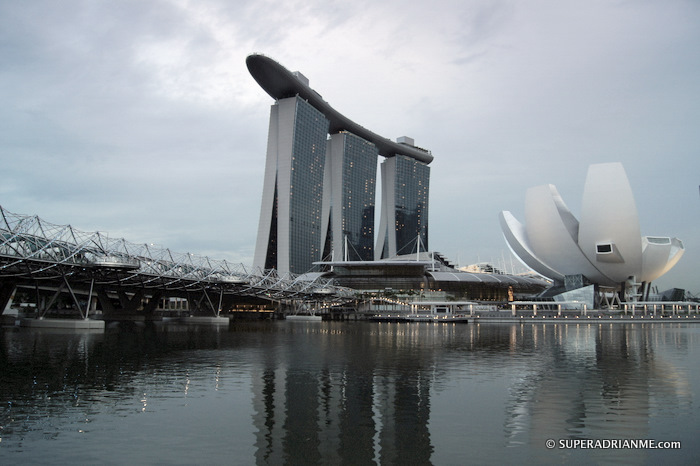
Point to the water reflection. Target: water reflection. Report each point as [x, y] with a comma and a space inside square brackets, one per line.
[362, 400]
[600, 382]
[347, 393]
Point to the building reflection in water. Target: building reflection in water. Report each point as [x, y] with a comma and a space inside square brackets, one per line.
[372, 403]
[592, 382]
[364, 403]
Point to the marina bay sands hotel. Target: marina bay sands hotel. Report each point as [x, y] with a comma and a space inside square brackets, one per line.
[318, 199]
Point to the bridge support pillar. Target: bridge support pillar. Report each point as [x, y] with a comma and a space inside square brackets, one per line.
[6, 292]
[105, 302]
[42, 306]
[133, 303]
[152, 303]
[83, 313]
[203, 303]
[130, 305]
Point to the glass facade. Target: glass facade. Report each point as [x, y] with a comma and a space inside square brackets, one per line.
[359, 170]
[411, 189]
[271, 256]
[306, 186]
[319, 195]
[289, 233]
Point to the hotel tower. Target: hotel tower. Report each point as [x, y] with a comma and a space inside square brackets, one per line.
[320, 177]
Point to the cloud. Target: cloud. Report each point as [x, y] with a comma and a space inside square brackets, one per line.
[140, 118]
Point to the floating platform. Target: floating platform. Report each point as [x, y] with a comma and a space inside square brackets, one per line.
[87, 324]
[205, 320]
[304, 317]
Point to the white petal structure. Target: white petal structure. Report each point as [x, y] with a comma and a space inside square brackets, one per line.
[609, 233]
[516, 237]
[606, 246]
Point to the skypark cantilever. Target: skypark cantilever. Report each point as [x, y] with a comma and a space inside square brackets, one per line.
[280, 83]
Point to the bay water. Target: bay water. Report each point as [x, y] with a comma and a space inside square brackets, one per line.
[282, 392]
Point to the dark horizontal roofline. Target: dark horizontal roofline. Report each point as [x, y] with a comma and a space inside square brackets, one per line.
[280, 83]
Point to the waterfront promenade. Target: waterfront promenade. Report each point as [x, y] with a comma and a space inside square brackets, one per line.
[530, 311]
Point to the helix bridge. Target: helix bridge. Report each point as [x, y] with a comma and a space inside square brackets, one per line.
[93, 269]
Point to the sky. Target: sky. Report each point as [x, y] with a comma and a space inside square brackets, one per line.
[139, 118]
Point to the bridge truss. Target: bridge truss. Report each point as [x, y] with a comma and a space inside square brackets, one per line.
[92, 267]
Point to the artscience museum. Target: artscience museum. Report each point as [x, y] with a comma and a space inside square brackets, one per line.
[604, 249]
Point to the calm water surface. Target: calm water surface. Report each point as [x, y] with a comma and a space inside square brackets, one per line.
[349, 393]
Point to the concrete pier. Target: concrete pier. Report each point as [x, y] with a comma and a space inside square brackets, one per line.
[88, 324]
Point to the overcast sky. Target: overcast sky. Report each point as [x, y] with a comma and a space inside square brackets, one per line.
[140, 119]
